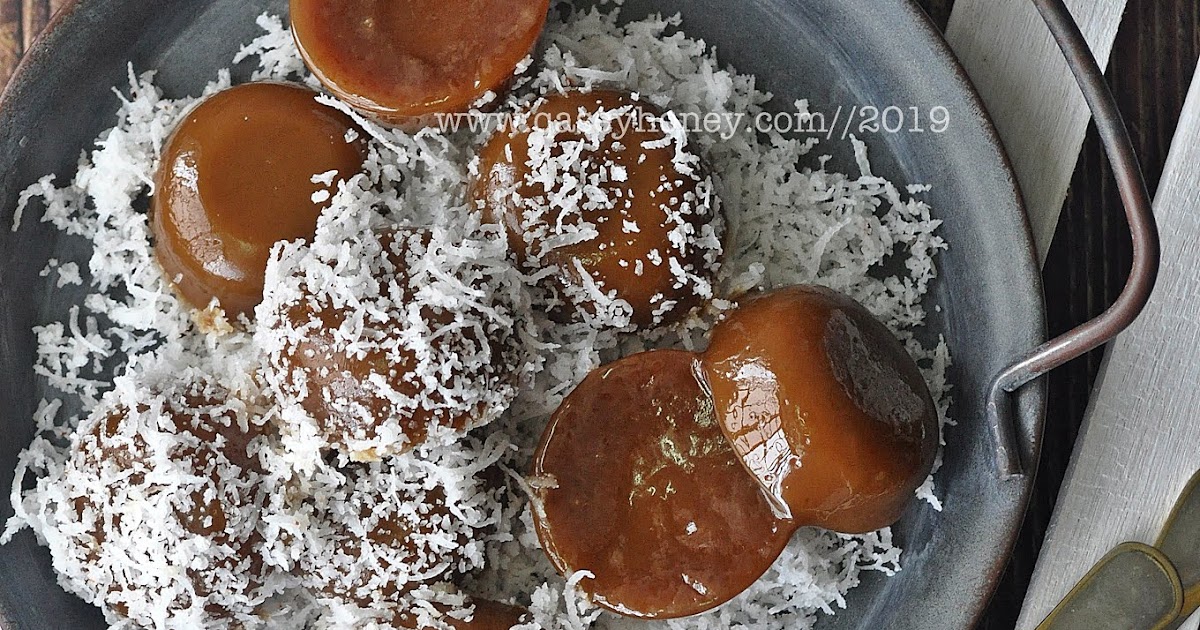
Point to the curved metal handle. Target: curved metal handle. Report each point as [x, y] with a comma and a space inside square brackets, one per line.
[1143, 275]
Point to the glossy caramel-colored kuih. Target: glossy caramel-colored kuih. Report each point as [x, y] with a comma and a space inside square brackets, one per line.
[636, 484]
[824, 407]
[402, 61]
[656, 242]
[235, 178]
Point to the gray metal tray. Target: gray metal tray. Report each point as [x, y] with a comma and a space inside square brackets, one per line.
[833, 52]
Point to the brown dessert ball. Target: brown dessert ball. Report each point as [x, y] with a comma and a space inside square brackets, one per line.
[161, 499]
[489, 615]
[402, 61]
[381, 359]
[377, 533]
[485, 615]
[637, 484]
[823, 406]
[601, 189]
[236, 177]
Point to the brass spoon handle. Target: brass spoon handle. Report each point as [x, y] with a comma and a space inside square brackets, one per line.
[1135, 587]
[1180, 541]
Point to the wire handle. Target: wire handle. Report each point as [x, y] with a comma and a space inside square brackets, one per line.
[1139, 212]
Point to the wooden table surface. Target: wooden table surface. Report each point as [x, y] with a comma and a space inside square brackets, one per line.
[1152, 65]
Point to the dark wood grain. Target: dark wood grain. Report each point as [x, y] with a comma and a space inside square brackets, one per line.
[11, 38]
[35, 14]
[938, 10]
[1153, 61]
[20, 23]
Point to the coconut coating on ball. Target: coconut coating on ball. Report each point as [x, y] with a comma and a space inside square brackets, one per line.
[159, 507]
[382, 534]
[395, 338]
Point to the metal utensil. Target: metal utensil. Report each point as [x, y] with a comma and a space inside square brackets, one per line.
[1135, 587]
[1138, 210]
[1180, 541]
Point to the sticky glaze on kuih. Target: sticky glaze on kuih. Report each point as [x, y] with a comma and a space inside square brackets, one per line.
[642, 489]
[824, 407]
[400, 62]
[236, 177]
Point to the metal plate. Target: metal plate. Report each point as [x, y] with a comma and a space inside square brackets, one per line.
[833, 52]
